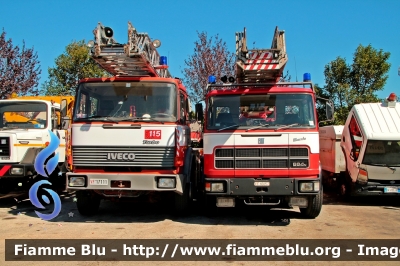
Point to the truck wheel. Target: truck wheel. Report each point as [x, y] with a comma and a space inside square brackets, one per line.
[344, 188]
[210, 208]
[88, 203]
[314, 206]
[182, 202]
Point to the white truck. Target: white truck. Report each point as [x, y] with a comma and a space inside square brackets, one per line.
[363, 156]
[25, 122]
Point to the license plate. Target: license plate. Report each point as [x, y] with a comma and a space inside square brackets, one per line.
[225, 202]
[5, 158]
[98, 182]
[391, 190]
[261, 183]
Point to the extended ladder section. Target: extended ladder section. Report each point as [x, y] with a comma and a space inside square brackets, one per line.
[139, 57]
[260, 65]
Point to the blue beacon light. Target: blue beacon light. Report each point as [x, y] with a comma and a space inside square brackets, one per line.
[163, 60]
[212, 79]
[306, 77]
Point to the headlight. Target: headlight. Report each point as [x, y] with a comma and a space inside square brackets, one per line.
[309, 186]
[164, 182]
[214, 186]
[17, 171]
[217, 187]
[76, 181]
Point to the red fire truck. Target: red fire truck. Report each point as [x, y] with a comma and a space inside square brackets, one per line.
[130, 134]
[261, 140]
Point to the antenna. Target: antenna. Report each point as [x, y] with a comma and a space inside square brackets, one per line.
[295, 67]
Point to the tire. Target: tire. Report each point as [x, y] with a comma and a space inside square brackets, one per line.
[209, 206]
[314, 206]
[87, 203]
[182, 202]
[344, 187]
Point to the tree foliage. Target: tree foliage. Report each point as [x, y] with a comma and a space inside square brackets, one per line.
[19, 69]
[348, 85]
[71, 66]
[210, 57]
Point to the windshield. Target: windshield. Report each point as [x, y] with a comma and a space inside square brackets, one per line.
[20, 114]
[382, 152]
[118, 101]
[257, 111]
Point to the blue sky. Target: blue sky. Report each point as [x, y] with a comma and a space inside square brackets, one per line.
[316, 31]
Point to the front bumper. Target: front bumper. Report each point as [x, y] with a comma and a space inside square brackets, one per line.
[20, 182]
[376, 189]
[237, 187]
[127, 182]
[25, 170]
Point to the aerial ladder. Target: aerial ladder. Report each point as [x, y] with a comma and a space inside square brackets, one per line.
[138, 57]
[260, 65]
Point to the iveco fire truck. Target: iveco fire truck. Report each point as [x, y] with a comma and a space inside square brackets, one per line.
[130, 134]
[261, 135]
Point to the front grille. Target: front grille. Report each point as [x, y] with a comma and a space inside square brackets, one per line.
[260, 158]
[143, 156]
[4, 146]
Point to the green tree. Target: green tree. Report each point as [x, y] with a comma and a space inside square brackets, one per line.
[210, 57]
[71, 66]
[348, 85]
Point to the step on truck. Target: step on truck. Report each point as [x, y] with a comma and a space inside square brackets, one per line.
[25, 122]
[260, 139]
[362, 157]
[130, 134]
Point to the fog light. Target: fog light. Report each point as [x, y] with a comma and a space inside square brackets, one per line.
[217, 187]
[17, 171]
[309, 187]
[299, 201]
[76, 181]
[3, 141]
[166, 182]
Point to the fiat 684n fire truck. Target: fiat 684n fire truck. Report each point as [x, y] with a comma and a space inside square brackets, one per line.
[261, 141]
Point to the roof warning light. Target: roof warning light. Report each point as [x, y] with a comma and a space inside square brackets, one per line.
[306, 77]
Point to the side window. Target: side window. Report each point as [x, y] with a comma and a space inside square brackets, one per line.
[93, 106]
[355, 137]
[81, 112]
[183, 110]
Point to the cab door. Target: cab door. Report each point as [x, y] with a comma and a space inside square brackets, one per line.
[352, 142]
[59, 132]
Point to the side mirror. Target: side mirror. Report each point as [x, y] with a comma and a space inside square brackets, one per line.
[199, 111]
[329, 110]
[65, 122]
[63, 107]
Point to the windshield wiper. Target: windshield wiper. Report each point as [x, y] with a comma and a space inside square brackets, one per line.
[99, 118]
[265, 125]
[142, 119]
[287, 126]
[391, 167]
[7, 128]
[228, 127]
